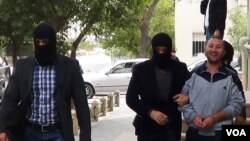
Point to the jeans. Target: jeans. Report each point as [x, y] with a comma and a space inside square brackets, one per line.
[209, 35]
[33, 135]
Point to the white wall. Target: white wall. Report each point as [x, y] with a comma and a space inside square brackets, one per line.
[188, 20]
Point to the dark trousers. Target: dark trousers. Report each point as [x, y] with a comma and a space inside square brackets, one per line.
[164, 136]
[34, 135]
[193, 135]
[210, 35]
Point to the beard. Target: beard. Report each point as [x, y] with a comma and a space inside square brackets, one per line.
[212, 61]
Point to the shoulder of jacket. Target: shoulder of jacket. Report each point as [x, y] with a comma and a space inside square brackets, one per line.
[143, 65]
[146, 63]
[181, 63]
[23, 60]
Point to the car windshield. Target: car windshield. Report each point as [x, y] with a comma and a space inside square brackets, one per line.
[106, 68]
[120, 66]
[200, 61]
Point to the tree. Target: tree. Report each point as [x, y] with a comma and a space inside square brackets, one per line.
[239, 26]
[103, 17]
[123, 42]
[144, 28]
[13, 23]
[18, 18]
[163, 19]
[149, 19]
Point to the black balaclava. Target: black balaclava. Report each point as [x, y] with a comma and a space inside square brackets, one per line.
[45, 55]
[163, 61]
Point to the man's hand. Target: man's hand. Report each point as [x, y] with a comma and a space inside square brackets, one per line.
[197, 121]
[159, 117]
[181, 99]
[208, 122]
[239, 120]
[3, 137]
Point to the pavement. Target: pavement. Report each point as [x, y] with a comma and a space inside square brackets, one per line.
[115, 126]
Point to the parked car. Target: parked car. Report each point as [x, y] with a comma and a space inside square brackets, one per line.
[2, 82]
[111, 78]
[2, 85]
[196, 63]
[193, 65]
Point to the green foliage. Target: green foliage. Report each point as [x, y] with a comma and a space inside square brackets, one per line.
[239, 26]
[3, 45]
[14, 18]
[18, 18]
[163, 19]
[103, 18]
[86, 45]
[62, 45]
[127, 37]
[120, 53]
[124, 39]
[127, 40]
[2, 51]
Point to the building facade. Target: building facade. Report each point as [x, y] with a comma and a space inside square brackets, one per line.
[189, 29]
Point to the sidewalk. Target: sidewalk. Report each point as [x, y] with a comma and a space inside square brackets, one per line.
[115, 126]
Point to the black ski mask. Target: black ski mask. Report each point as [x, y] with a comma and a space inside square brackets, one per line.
[163, 61]
[45, 54]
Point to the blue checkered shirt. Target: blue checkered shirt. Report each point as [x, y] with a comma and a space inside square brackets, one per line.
[43, 109]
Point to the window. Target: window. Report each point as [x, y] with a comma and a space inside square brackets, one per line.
[123, 68]
[198, 43]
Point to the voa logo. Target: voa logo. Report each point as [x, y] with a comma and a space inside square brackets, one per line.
[236, 132]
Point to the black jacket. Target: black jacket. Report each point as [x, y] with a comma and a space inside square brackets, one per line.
[68, 86]
[142, 96]
[239, 84]
[217, 14]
